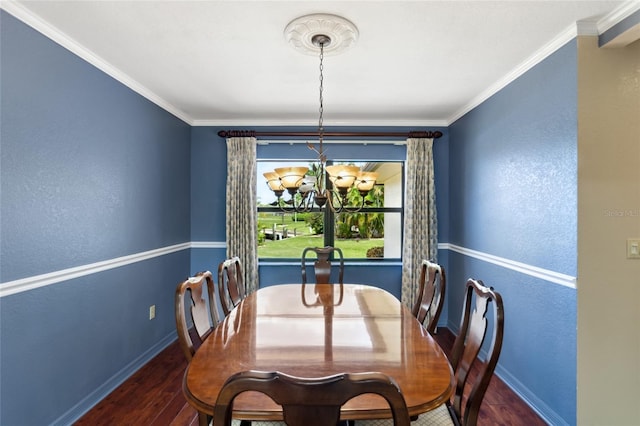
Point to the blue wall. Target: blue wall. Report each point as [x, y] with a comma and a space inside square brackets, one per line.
[513, 177]
[90, 172]
[208, 211]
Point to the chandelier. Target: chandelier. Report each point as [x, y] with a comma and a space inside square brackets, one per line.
[322, 185]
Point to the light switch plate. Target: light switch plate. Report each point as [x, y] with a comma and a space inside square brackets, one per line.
[633, 248]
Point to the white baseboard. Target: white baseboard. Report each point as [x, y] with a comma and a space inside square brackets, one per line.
[88, 402]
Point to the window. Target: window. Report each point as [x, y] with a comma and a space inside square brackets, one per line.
[374, 232]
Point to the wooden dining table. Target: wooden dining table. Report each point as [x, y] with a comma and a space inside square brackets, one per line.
[317, 330]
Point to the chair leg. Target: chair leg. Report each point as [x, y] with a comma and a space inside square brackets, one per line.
[203, 419]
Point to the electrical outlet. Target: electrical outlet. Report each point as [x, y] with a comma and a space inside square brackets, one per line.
[633, 248]
[152, 312]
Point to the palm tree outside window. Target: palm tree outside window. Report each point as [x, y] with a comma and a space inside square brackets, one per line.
[373, 233]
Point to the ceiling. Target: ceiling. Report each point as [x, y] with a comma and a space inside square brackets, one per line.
[415, 63]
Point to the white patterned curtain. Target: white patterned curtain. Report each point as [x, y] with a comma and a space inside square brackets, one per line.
[242, 207]
[420, 240]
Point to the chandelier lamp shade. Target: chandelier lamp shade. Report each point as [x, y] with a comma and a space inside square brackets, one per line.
[322, 185]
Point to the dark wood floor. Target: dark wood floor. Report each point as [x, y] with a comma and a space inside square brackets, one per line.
[153, 396]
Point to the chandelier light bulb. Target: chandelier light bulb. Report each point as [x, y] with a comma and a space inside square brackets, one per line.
[291, 177]
[365, 181]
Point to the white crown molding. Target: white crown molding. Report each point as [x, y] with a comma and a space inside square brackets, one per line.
[542, 53]
[46, 29]
[26, 16]
[580, 28]
[587, 28]
[327, 123]
[624, 11]
[523, 268]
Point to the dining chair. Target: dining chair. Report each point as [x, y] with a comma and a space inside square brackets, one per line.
[310, 401]
[203, 314]
[230, 283]
[464, 407]
[322, 265]
[430, 300]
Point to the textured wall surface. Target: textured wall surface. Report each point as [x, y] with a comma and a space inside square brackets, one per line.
[513, 167]
[90, 171]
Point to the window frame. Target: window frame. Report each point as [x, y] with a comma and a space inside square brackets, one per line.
[330, 216]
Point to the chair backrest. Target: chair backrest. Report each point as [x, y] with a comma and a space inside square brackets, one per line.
[310, 401]
[230, 283]
[473, 330]
[203, 314]
[430, 298]
[322, 264]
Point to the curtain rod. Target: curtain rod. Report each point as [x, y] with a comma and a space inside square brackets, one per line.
[253, 133]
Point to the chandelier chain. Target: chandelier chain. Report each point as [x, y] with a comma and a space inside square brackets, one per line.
[326, 187]
[321, 109]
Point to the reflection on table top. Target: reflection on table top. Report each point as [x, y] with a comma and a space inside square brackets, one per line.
[317, 330]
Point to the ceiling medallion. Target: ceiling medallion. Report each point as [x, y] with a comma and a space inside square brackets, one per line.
[325, 186]
[300, 33]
